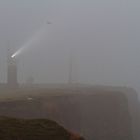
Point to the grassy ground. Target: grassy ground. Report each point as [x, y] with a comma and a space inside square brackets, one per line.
[35, 129]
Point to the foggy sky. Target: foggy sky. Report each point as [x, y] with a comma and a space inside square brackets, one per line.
[102, 37]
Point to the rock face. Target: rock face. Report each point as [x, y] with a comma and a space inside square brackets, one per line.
[106, 117]
[35, 129]
[134, 109]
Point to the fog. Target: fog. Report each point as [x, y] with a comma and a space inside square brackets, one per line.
[100, 38]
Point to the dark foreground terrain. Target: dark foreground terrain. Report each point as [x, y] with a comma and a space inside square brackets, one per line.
[35, 129]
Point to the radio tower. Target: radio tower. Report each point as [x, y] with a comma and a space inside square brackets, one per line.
[71, 58]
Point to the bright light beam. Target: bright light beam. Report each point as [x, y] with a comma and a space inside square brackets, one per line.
[17, 53]
[35, 38]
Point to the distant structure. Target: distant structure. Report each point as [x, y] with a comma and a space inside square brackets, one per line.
[70, 74]
[11, 71]
[70, 79]
[30, 80]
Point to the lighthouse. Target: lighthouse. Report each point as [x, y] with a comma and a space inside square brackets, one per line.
[11, 71]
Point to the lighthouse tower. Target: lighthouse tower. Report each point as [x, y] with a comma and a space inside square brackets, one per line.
[11, 71]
